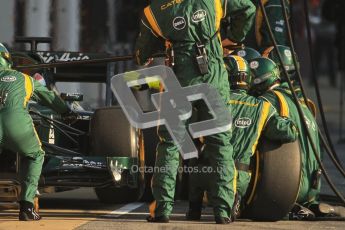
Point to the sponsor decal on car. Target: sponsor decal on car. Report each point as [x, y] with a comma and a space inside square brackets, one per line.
[8, 78]
[243, 122]
[67, 56]
[179, 23]
[79, 162]
[199, 16]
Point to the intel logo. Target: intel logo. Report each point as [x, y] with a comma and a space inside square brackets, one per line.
[243, 122]
[8, 79]
[198, 16]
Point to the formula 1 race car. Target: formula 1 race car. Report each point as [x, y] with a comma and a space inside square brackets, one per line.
[102, 150]
[98, 150]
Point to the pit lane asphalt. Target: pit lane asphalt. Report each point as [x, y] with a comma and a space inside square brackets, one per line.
[79, 209]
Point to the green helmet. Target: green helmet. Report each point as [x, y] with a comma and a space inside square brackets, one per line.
[286, 55]
[238, 71]
[247, 53]
[5, 57]
[265, 72]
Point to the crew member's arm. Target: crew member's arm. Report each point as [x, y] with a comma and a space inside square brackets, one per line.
[276, 20]
[147, 43]
[280, 128]
[241, 13]
[49, 98]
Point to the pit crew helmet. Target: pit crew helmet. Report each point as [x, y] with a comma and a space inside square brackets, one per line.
[238, 72]
[247, 53]
[5, 57]
[286, 55]
[265, 73]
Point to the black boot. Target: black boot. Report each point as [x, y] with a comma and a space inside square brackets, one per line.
[222, 220]
[27, 212]
[299, 212]
[235, 211]
[323, 209]
[194, 211]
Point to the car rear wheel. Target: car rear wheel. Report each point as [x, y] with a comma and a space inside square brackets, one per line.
[113, 136]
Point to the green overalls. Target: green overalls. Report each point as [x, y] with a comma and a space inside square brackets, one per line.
[180, 24]
[310, 184]
[17, 131]
[252, 118]
[258, 37]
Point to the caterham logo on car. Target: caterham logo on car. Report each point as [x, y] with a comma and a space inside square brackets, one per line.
[243, 122]
[8, 78]
[199, 16]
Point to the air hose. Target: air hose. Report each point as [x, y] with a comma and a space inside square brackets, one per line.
[330, 151]
[300, 112]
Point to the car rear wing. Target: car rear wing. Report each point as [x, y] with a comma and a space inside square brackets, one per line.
[65, 66]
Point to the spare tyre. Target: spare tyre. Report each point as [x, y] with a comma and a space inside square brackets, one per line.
[275, 181]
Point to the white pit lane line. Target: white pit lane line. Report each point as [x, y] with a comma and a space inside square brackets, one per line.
[124, 210]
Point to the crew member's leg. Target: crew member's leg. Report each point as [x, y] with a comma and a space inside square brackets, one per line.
[222, 183]
[21, 137]
[197, 186]
[164, 178]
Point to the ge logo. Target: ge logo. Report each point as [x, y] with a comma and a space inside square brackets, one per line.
[173, 106]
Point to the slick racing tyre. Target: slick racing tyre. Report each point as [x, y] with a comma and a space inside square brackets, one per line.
[275, 181]
[111, 135]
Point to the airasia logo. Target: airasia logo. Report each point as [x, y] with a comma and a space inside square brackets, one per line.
[243, 122]
[67, 56]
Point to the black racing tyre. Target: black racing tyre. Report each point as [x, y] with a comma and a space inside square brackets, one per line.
[111, 135]
[275, 181]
